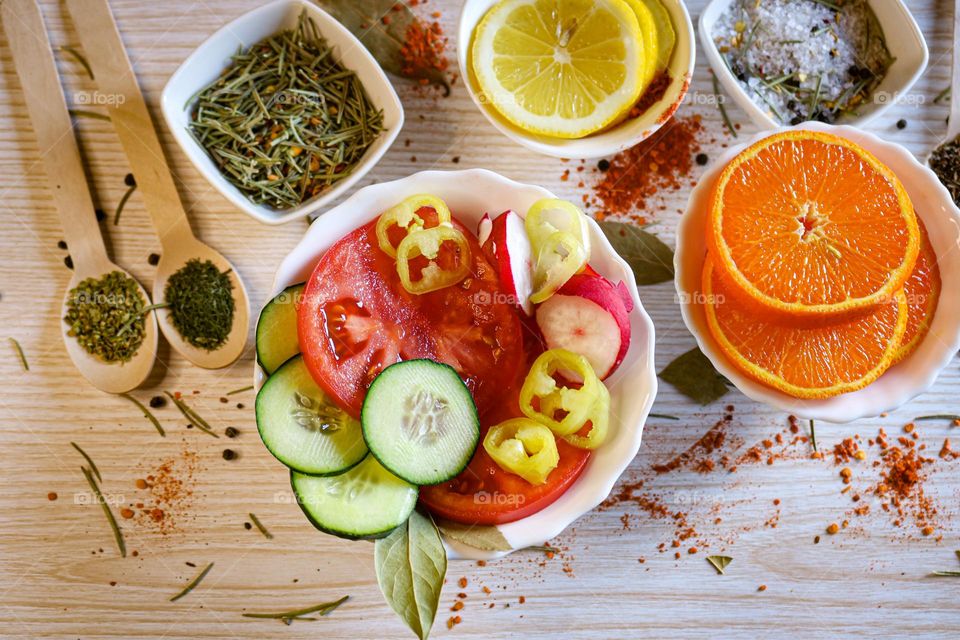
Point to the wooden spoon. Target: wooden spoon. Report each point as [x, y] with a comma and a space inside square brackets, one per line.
[47, 107]
[128, 111]
[953, 124]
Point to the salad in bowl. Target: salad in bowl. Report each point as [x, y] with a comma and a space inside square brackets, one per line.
[458, 347]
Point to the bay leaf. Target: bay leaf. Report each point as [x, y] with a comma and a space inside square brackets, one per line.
[719, 562]
[648, 256]
[693, 375]
[411, 564]
[365, 20]
[485, 538]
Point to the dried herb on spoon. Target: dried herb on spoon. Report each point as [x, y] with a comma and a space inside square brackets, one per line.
[200, 300]
[105, 315]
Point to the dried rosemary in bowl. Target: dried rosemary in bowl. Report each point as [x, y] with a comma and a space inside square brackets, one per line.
[286, 120]
[106, 316]
[200, 301]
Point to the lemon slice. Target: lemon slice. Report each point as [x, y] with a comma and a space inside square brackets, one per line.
[666, 36]
[561, 68]
[651, 40]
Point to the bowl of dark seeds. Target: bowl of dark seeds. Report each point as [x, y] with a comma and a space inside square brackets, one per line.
[282, 110]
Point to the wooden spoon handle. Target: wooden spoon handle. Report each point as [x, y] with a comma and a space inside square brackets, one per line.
[115, 77]
[33, 59]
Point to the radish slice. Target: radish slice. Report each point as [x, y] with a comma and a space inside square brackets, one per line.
[509, 249]
[588, 316]
[484, 228]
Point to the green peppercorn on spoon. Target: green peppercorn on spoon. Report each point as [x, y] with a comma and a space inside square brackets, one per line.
[35, 65]
[128, 112]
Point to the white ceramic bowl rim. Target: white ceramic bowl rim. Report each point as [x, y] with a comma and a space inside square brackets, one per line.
[633, 386]
[212, 56]
[907, 379]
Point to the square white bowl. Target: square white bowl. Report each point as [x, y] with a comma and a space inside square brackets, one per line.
[904, 41]
[207, 62]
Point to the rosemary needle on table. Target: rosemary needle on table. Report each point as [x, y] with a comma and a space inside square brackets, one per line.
[19, 350]
[89, 460]
[298, 614]
[191, 415]
[259, 525]
[193, 583]
[146, 412]
[117, 535]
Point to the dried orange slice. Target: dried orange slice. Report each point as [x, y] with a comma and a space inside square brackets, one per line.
[817, 360]
[922, 289]
[810, 224]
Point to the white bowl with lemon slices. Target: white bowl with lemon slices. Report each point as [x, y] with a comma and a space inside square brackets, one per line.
[586, 81]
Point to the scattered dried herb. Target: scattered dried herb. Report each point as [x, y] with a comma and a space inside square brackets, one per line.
[543, 548]
[650, 259]
[720, 104]
[117, 534]
[76, 55]
[201, 303]
[240, 390]
[813, 437]
[98, 309]
[286, 120]
[487, 538]
[146, 413]
[193, 583]
[89, 460]
[662, 416]
[192, 415]
[83, 113]
[259, 525]
[694, 376]
[19, 350]
[946, 574]
[719, 562]
[404, 46]
[123, 203]
[411, 564]
[299, 614]
[943, 95]
[939, 416]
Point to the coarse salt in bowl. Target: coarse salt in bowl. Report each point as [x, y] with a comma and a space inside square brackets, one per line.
[632, 386]
[899, 384]
[904, 41]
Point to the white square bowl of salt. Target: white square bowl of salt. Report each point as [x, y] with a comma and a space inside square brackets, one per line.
[790, 61]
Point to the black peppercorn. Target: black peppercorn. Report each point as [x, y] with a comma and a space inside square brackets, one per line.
[153, 259]
[129, 180]
[702, 159]
[157, 402]
[901, 124]
[603, 165]
[231, 432]
[229, 454]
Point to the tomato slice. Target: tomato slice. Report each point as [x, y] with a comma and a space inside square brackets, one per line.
[484, 493]
[355, 319]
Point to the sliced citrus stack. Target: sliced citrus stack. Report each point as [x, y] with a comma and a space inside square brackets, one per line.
[922, 289]
[806, 223]
[651, 40]
[561, 68]
[666, 35]
[813, 361]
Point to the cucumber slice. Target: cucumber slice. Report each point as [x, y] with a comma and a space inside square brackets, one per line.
[277, 329]
[420, 421]
[302, 428]
[366, 502]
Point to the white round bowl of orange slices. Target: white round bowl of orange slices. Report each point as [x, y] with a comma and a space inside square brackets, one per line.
[818, 269]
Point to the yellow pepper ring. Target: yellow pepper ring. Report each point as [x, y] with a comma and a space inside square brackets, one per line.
[576, 404]
[559, 257]
[427, 243]
[549, 215]
[599, 421]
[524, 447]
[404, 215]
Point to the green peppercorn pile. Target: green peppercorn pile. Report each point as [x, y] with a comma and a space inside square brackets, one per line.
[200, 301]
[106, 316]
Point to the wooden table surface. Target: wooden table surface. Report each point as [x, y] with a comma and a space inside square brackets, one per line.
[62, 574]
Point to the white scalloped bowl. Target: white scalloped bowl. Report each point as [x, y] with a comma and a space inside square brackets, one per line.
[899, 384]
[607, 142]
[633, 386]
